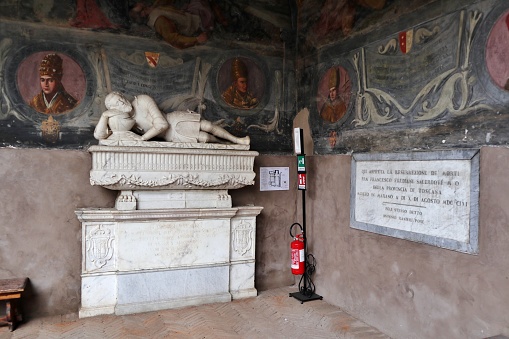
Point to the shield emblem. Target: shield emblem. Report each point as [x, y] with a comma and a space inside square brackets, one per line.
[50, 130]
[242, 238]
[99, 244]
[152, 59]
[405, 41]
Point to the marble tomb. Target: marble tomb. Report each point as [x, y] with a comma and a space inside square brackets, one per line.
[173, 239]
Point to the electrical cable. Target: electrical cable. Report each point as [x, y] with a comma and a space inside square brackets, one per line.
[309, 287]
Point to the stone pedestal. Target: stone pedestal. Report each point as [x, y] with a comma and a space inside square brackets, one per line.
[174, 238]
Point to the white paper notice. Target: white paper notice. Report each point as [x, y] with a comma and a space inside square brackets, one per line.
[274, 179]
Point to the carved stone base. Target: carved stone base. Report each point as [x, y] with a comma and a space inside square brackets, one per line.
[174, 238]
[151, 259]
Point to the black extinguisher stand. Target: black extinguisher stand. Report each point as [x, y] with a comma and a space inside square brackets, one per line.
[306, 286]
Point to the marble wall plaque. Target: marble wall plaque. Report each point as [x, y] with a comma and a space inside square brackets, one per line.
[429, 197]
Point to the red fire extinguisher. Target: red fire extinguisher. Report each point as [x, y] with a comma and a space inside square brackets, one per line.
[297, 253]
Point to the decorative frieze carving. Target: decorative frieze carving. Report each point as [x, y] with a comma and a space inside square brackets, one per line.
[122, 181]
[130, 168]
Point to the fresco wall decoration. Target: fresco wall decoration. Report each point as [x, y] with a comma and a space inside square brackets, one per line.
[240, 84]
[497, 52]
[47, 93]
[245, 85]
[333, 97]
[56, 80]
[435, 84]
[392, 65]
[322, 23]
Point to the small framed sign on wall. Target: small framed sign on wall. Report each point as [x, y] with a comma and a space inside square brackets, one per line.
[274, 179]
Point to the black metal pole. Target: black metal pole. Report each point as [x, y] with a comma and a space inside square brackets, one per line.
[306, 293]
[305, 237]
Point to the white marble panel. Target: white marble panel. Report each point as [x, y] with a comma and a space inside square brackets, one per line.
[146, 291]
[182, 199]
[98, 294]
[242, 280]
[166, 244]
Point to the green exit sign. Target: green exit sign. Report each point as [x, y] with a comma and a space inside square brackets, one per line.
[301, 163]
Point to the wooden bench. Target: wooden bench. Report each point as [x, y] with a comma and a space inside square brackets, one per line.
[11, 290]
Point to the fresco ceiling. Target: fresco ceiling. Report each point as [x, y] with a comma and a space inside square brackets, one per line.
[319, 22]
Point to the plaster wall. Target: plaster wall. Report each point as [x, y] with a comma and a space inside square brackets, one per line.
[406, 289]
[280, 210]
[40, 235]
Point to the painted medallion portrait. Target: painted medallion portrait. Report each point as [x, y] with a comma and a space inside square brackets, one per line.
[497, 52]
[333, 95]
[241, 83]
[51, 83]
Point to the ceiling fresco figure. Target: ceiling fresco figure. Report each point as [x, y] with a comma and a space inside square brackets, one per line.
[237, 94]
[100, 14]
[53, 98]
[181, 28]
[340, 15]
